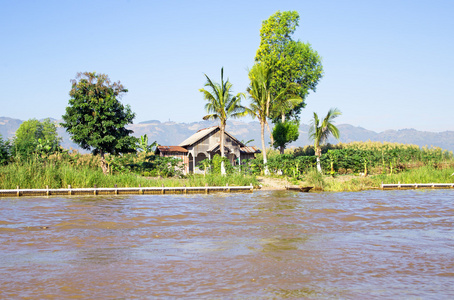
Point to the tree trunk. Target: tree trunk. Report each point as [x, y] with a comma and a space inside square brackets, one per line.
[281, 149]
[104, 166]
[271, 135]
[318, 153]
[262, 125]
[319, 167]
[222, 148]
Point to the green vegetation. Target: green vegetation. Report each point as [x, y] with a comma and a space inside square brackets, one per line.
[295, 67]
[221, 106]
[144, 146]
[96, 119]
[260, 95]
[5, 151]
[61, 170]
[35, 137]
[284, 73]
[285, 133]
[319, 133]
[263, 101]
[365, 158]
[424, 174]
[358, 166]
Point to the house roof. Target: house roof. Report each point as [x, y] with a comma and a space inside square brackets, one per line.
[193, 139]
[171, 149]
[197, 136]
[250, 149]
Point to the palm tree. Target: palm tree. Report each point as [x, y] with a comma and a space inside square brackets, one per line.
[285, 102]
[319, 132]
[260, 95]
[263, 104]
[222, 105]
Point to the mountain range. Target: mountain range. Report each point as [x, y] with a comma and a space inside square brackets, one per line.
[172, 133]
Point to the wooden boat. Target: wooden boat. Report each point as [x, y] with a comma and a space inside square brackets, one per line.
[303, 189]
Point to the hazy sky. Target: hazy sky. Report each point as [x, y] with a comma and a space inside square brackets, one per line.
[387, 64]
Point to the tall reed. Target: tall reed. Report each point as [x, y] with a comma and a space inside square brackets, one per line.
[37, 173]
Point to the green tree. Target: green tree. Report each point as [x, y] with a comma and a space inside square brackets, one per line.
[319, 133]
[263, 101]
[5, 151]
[96, 119]
[285, 133]
[35, 137]
[222, 105]
[294, 65]
[260, 96]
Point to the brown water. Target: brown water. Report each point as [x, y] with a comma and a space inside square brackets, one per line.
[264, 245]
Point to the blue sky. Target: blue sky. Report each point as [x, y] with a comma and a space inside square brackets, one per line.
[387, 64]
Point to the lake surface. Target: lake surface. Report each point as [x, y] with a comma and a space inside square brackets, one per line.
[262, 245]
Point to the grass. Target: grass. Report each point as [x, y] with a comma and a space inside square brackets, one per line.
[84, 172]
[425, 174]
[315, 179]
[57, 174]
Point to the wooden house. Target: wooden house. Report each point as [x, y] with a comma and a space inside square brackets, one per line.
[204, 144]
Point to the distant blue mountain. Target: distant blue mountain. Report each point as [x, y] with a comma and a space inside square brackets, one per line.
[172, 133]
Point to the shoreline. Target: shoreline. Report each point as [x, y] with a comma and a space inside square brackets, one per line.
[349, 183]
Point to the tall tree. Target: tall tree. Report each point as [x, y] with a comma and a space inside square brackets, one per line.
[96, 119]
[263, 101]
[34, 136]
[290, 62]
[221, 106]
[319, 133]
[260, 96]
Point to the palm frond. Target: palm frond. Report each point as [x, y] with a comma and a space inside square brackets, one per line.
[221, 104]
[211, 117]
[319, 133]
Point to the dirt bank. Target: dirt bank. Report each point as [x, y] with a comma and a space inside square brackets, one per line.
[271, 183]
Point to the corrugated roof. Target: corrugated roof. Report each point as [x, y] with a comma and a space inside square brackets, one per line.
[172, 149]
[250, 149]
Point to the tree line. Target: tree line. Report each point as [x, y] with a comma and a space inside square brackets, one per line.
[284, 73]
